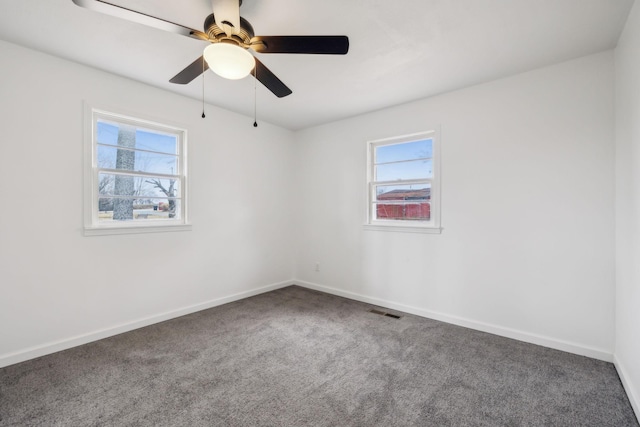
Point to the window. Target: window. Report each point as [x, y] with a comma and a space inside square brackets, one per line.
[135, 175]
[403, 184]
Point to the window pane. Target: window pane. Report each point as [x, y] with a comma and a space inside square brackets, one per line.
[120, 209]
[403, 211]
[415, 169]
[130, 185]
[405, 151]
[111, 133]
[403, 202]
[114, 158]
[106, 133]
[400, 193]
[154, 141]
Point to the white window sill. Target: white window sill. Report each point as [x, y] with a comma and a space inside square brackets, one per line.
[402, 228]
[105, 231]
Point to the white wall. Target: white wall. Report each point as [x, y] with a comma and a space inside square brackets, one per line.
[527, 249]
[627, 111]
[58, 288]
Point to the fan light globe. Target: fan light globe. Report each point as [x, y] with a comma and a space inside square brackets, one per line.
[229, 61]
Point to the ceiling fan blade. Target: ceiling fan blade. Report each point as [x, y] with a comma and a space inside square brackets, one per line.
[227, 11]
[270, 81]
[141, 18]
[192, 71]
[327, 45]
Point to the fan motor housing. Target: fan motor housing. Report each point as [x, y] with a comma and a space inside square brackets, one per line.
[217, 34]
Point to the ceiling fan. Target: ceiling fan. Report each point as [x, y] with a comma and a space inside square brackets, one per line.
[231, 38]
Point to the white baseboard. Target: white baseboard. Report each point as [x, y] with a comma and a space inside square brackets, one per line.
[634, 397]
[53, 347]
[567, 346]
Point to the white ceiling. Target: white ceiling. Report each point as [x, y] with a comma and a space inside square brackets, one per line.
[399, 50]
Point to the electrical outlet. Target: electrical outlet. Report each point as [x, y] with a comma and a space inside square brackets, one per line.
[317, 266]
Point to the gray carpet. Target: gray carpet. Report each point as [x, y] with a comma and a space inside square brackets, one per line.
[295, 357]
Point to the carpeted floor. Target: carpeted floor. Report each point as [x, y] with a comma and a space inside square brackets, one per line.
[295, 357]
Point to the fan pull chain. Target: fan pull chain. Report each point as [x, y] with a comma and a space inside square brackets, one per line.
[255, 96]
[203, 70]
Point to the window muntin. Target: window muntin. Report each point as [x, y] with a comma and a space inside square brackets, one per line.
[145, 160]
[403, 181]
[138, 174]
[404, 170]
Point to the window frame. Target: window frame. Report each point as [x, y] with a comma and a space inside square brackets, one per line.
[92, 225]
[412, 226]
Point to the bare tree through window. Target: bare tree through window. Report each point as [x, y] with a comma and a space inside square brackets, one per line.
[125, 160]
